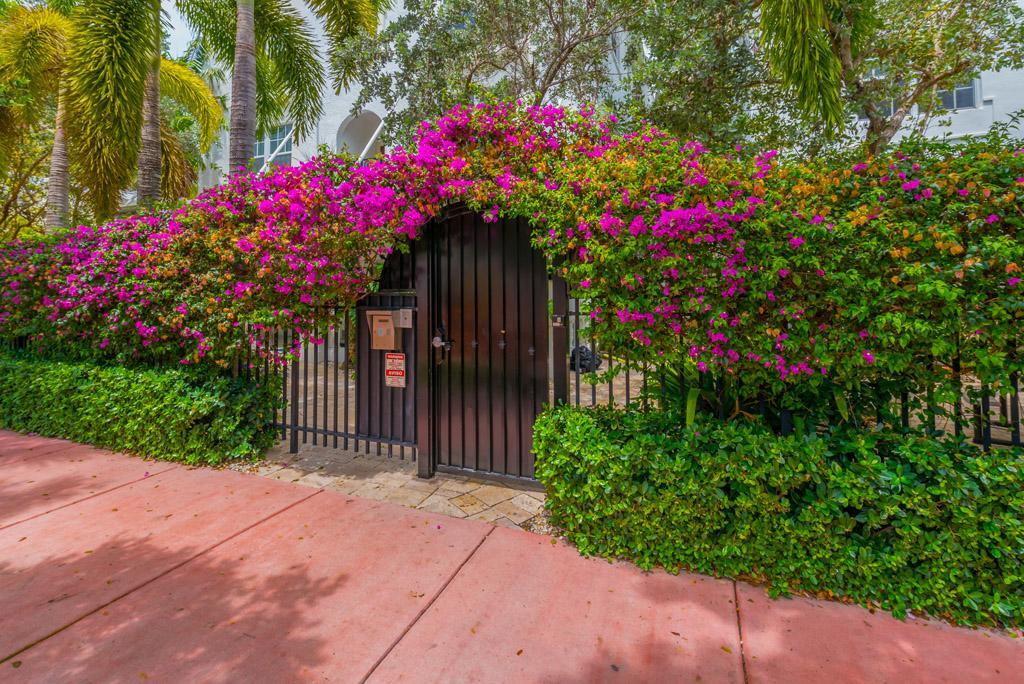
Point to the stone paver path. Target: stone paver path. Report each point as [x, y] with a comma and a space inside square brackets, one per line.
[394, 480]
[115, 569]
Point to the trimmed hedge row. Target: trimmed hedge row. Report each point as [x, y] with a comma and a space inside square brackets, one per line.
[878, 518]
[173, 414]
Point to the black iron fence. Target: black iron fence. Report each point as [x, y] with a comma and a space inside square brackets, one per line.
[598, 376]
[334, 391]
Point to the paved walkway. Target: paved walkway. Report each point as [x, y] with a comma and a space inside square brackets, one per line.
[394, 480]
[115, 569]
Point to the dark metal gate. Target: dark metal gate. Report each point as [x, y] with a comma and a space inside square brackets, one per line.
[486, 304]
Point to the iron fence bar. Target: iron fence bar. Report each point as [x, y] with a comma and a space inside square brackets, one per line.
[280, 338]
[611, 382]
[348, 365]
[785, 421]
[337, 361]
[930, 398]
[304, 356]
[958, 409]
[316, 378]
[1015, 409]
[294, 444]
[986, 421]
[575, 346]
[626, 358]
[905, 410]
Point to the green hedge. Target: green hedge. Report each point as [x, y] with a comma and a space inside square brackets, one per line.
[905, 523]
[173, 414]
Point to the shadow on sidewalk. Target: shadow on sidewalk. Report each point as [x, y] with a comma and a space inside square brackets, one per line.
[204, 621]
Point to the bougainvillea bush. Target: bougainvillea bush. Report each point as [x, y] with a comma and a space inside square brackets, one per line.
[786, 282]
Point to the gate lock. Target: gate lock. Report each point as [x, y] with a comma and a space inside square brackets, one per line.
[441, 342]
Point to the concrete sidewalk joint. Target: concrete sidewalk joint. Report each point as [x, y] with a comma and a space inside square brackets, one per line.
[167, 571]
[148, 476]
[422, 612]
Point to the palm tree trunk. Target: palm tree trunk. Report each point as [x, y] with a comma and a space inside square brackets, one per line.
[243, 88]
[58, 182]
[149, 153]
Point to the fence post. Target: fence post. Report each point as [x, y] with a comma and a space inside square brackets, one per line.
[293, 445]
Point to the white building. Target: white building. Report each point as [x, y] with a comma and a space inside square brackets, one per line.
[973, 106]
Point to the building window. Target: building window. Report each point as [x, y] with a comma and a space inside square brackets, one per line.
[963, 96]
[280, 137]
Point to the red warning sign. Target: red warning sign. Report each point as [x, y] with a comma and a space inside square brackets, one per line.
[394, 369]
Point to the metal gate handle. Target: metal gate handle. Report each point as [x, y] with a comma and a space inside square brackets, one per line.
[501, 340]
[441, 343]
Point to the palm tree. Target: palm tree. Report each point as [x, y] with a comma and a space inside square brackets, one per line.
[149, 150]
[277, 67]
[95, 63]
[33, 47]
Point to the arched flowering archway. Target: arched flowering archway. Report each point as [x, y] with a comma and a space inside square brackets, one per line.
[725, 261]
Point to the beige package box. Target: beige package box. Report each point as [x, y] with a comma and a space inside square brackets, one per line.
[383, 334]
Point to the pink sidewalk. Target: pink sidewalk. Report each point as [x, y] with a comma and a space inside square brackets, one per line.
[114, 569]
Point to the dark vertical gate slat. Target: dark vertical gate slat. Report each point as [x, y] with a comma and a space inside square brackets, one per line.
[514, 342]
[470, 378]
[526, 340]
[559, 339]
[483, 352]
[444, 448]
[538, 276]
[460, 342]
[425, 369]
[497, 323]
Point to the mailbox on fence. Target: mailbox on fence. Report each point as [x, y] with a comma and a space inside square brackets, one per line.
[385, 360]
[385, 328]
[382, 331]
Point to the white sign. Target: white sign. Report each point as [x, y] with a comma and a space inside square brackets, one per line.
[394, 369]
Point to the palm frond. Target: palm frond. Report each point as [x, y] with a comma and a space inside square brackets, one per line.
[177, 175]
[285, 38]
[270, 97]
[33, 46]
[214, 22]
[34, 42]
[345, 19]
[188, 89]
[110, 53]
[797, 45]
[289, 76]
